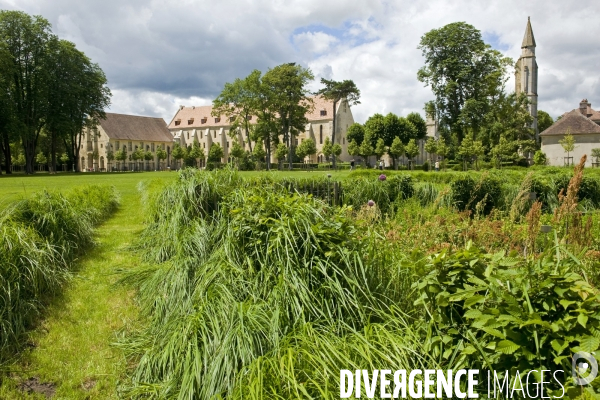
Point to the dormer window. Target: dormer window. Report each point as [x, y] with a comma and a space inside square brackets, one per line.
[178, 122]
[249, 117]
[231, 119]
[203, 120]
[190, 121]
[217, 120]
[323, 113]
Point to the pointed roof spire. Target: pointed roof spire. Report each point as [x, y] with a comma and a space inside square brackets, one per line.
[528, 39]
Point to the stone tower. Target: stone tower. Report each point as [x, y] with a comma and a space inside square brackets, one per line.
[526, 74]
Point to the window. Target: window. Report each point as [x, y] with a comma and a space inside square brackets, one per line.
[142, 145]
[323, 113]
[101, 145]
[129, 146]
[296, 142]
[204, 145]
[231, 119]
[178, 122]
[117, 145]
[217, 120]
[321, 134]
[152, 148]
[227, 144]
[190, 121]
[203, 120]
[215, 134]
[147, 147]
[188, 134]
[200, 134]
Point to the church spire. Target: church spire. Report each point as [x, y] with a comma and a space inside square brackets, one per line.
[528, 39]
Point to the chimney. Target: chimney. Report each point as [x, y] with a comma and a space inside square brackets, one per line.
[583, 106]
[181, 107]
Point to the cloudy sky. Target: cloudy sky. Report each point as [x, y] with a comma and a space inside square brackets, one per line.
[159, 54]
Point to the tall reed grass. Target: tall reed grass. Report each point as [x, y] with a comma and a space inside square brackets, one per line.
[40, 238]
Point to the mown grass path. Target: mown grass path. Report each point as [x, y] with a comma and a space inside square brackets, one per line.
[71, 350]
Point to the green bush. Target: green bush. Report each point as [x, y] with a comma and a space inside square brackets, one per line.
[478, 196]
[539, 158]
[358, 191]
[425, 166]
[39, 239]
[499, 313]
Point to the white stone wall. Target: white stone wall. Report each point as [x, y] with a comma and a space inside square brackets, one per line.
[583, 145]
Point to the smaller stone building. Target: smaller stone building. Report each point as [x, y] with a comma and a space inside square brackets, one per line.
[129, 132]
[584, 124]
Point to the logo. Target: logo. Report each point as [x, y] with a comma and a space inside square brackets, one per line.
[588, 366]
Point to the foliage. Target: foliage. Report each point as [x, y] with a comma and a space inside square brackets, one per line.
[281, 152]
[41, 158]
[380, 149]
[539, 158]
[366, 150]
[306, 148]
[478, 196]
[327, 148]
[411, 149]
[355, 133]
[215, 153]
[544, 120]
[419, 123]
[567, 142]
[487, 308]
[335, 92]
[41, 237]
[353, 148]
[459, 67]
[596, 154]
[396, 150]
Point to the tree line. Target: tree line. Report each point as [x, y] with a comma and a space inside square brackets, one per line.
[471, 103]
[280, 100]
[49, 93]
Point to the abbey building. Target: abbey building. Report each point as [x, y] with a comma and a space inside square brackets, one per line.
[526, 74]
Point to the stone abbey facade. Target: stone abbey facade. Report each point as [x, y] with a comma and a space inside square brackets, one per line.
[197, 124]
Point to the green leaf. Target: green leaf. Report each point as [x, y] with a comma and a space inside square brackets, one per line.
[507, 347]
[589, 344]
[472, 314]
[473, 300]
[582, 319]
[559, 345]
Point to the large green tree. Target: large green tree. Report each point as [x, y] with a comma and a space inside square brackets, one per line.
[544, 120]
[288, 99]
[460, 66]
[27, 39]
[336, 92]
[375, 129]
[356, 133]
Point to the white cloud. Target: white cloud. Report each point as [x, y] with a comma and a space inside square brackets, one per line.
[158, 54]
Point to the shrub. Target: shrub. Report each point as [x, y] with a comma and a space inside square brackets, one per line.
[479, 197]
[539, 158]
[40, 238]
[425, 166]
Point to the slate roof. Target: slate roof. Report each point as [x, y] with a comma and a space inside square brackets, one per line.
[134, 127]
[528, 39]
[192, 117]
[575, 122]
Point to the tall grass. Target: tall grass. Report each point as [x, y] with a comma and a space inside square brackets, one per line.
[40, 237]
[264, 270]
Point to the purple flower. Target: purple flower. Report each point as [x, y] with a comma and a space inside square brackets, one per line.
[382, 177]
[371, 203]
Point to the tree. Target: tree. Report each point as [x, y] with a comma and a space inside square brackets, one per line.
[356, 133]
[568, 143]
[8, 134]
[179, 153]
[539, 158]
[237, 152]
[121, 155]
[238, 101]
[365, 149]
[327, 149]
[379, 149]
[505, 149]
[411, 150]
[194, 154]
[396, 150]
[259, 153]
[336, 92]
[41, 159]
[419, 123]
[281, 153]
[466, 151]
[442, 150]
[353, 148]
[161, 154]
[596, 154]
[430, 148]
[336, 150]
[215, 153]
[110, 156]
[285, 88]
[307, 148]
[375, 129]
[148, 156]
[544, 120]
[459, 66]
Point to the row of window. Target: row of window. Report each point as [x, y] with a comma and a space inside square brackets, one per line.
[205, 120]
